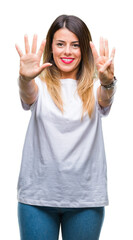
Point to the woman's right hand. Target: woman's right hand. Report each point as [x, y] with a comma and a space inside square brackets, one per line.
[30, 61]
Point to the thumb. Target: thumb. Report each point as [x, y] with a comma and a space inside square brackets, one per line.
[44, 66]
[106, 65]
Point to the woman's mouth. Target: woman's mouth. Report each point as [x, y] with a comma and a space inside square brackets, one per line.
[67, 60]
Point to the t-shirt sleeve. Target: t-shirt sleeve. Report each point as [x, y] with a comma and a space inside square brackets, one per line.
[26, 106]
[104, 111]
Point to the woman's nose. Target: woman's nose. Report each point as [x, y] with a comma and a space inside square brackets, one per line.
[68, 50]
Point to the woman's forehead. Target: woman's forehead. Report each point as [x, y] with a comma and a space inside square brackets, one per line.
[65, 35]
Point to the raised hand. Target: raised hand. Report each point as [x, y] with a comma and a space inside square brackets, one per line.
[104, 63]
[30, 61]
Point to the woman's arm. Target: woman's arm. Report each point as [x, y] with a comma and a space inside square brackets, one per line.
[29, 69]
[105, 94]
[28, 90]
[105, 68]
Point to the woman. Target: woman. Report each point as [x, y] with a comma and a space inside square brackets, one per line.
[63, 172]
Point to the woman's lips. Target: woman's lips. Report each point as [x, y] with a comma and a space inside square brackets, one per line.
[67, 60]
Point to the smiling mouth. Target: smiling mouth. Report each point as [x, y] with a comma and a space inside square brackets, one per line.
[67, 60]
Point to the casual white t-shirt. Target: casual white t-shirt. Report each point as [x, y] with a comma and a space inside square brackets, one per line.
[63, 160]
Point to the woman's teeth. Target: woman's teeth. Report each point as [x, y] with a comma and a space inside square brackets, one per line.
[67, 60]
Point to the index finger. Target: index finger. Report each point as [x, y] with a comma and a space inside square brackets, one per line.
[102, 47]
[41, 49]
[94, 51]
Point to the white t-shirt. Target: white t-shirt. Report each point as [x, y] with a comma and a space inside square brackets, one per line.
[63, 160]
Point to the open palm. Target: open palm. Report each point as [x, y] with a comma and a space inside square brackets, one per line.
[104, 63]
[30, 61]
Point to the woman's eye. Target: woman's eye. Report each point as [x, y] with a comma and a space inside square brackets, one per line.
[59, 44]
[76, 45]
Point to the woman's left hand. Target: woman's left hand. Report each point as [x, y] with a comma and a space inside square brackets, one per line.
[104, 63]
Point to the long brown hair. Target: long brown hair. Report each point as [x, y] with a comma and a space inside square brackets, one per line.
[86, 71]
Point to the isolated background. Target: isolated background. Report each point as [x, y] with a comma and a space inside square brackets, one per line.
[110, 19]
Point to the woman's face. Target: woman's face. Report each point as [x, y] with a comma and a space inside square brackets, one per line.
[66, 52]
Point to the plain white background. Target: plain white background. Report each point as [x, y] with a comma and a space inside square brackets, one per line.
[110, 19]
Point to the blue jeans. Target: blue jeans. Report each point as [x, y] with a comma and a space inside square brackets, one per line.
[43, 223]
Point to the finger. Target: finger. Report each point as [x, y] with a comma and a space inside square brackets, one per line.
[102, 48]
[27, 47]
[34, 44]
[112, 53]
[19, 50]
[44, 66]
[41, 49]
[94, 51]
[106, 48]
[106, 65]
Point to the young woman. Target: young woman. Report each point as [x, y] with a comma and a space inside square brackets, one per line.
[63, 172]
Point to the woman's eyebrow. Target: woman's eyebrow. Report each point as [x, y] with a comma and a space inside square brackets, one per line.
[75, 42]
[60, 40]
[64, 41]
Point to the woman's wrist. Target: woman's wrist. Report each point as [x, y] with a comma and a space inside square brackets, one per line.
[110, 85]
[24, 79]
[106, 93]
